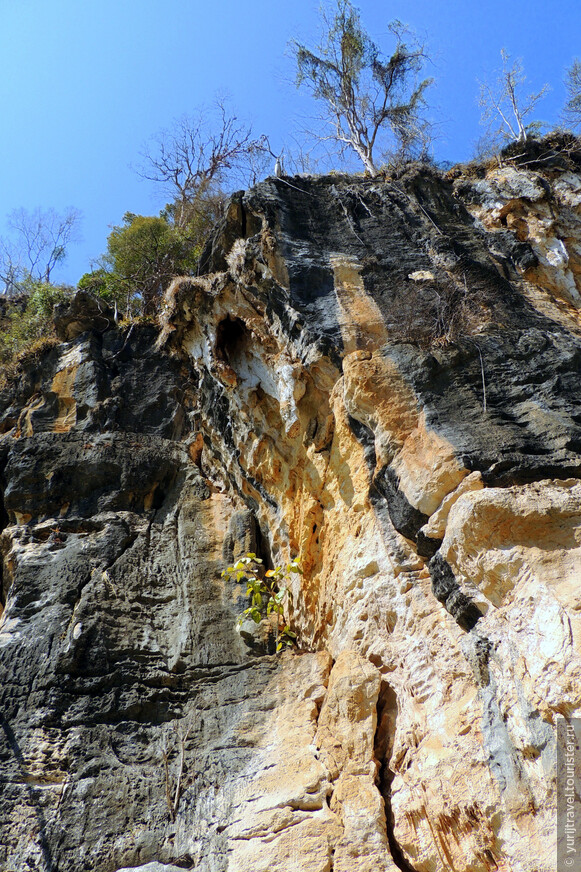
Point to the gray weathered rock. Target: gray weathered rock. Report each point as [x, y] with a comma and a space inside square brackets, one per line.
[365, 378]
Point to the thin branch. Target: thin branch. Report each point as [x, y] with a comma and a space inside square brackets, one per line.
[198, 154]
[504, 99]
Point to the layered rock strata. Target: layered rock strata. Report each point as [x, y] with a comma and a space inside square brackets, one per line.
[380, 378]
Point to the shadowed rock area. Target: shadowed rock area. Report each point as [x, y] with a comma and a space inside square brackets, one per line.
[382, 379]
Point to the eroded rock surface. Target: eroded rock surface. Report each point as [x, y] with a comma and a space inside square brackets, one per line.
[382, 379]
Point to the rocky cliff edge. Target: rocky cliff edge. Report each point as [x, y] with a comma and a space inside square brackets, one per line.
[381, 378]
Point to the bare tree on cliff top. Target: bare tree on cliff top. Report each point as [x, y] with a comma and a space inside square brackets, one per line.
[505, 108]
[198, 155]
[39, 244]
[369, 100]
[572, 110]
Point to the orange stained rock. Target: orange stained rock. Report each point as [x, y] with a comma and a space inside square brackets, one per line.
[360, 320]
[348, 476]
[25, 427]
[428, 468]
[376, 389]
[348, 719]
[195, 449]
[63, 385]
[376, 393]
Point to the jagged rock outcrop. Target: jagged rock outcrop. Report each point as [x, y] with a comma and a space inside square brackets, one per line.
[381, 378]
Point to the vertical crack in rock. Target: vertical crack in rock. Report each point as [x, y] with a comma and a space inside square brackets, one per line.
[387, 711]
[345, 739]
[4, 521]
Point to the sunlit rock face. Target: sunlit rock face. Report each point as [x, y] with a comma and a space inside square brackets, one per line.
[381, 379]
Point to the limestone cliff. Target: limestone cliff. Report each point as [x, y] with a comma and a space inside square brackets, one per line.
[382, 379]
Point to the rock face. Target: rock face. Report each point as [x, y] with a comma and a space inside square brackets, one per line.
[382, 379]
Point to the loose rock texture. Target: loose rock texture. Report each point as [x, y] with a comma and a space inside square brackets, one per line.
[382, 379]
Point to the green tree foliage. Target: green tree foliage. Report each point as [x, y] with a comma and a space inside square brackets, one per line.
[191, 162]
[146, 252]
[37, 245]
[143, 254]
[369, 101]
[103, 283]
[267, 592]
[572, 110]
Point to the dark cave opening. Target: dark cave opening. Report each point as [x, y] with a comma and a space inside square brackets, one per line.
[232, 337]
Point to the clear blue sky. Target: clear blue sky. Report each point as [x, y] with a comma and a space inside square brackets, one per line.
[85, 83]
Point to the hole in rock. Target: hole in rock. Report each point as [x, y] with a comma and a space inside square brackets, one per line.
[244, 354]
[232, 340]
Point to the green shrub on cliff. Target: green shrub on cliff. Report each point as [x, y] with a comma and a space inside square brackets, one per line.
[267, 592]
[28, 322]
[143, 254]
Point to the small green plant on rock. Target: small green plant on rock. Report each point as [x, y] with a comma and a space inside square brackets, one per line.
[268, 593]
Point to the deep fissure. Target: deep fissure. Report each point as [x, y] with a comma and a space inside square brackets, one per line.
[387, 712]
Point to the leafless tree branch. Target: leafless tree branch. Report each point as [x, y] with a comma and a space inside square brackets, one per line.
[39, 243]
[200, 154]
[572, 110]
[504, 99]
